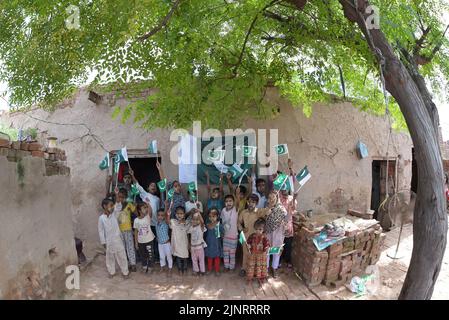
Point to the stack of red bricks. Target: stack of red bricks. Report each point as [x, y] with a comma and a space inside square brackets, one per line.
[311, 263]
[54, 158]
[341, 261]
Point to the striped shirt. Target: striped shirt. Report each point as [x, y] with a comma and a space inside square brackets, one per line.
[162, 232]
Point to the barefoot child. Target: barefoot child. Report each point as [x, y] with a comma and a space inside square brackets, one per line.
[275, 228]
[124, 220]
[229, 217]
[163, 239]
[258, 246]
[179, 239]
[110, 238]
[214, 249]
[197, 243]
[143, 236]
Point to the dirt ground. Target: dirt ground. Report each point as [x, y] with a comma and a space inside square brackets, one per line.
[95, 283]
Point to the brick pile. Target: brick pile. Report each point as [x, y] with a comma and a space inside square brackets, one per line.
[341, 261]
[55, 159]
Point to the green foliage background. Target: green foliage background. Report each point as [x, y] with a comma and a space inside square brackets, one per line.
[214, 60]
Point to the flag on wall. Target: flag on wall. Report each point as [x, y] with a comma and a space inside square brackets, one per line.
[281, 149]
[105, 163]
[152, 147]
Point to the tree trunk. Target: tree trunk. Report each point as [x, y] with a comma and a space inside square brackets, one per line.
[430, 218]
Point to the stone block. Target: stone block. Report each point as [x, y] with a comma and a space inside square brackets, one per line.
[34, 146]
[4, 143]
[38, 154]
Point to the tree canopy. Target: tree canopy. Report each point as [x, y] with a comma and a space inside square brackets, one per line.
[213, 60]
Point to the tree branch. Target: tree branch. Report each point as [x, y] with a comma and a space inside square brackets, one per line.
[162, 23]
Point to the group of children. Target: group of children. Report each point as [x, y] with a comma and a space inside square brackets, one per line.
[176, 230]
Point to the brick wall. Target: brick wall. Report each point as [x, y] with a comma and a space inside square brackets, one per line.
[55, 159]
[444, 146]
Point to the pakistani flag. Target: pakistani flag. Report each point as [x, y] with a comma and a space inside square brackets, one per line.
[249, 151]
[134, 191]
[281, 149]
[280, 182]
[152, 148]
[170, 193]
[242, 238]
[162, 185]
[192, 186]
[236, 170]
[275, 250]
[216, 155]
[122, 155]
[303, 176]
[105, 163]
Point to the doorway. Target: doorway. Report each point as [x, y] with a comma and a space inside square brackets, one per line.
[378, 188]
[143, 165]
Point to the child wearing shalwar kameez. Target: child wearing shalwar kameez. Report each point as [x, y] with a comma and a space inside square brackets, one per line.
[258, 246]
[214, 249]
[110, 238]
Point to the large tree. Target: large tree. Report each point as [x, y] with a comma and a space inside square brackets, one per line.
[218, 57]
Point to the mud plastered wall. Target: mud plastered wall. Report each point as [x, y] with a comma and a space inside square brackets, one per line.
[36, 227]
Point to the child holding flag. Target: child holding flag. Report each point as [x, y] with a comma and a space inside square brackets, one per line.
[179, 239]
[214, 249]
[258, 245]
[215, 196]
[143, 235]
[275, 222]
[175, 187]
[229, 217]
[150, 198]
[245, 224]
[197, 243]
[110, 238]
[124, 220]
[163, 238]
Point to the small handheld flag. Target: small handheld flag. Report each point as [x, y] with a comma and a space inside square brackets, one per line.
[134, 191]
[275, 250]
[280, 181]
[242, 238]
[303, 176]
[170, 193]
[249, 151]
[122, 155]
[217, 230]
[216, 155]
[162, 185]
[192, 186]
[235, 170]
[281, 149]
[152, 147]
[105, 163]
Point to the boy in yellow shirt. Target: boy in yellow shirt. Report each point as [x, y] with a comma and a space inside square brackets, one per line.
[124, 222]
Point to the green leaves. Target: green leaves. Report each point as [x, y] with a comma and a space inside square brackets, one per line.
[213, 60]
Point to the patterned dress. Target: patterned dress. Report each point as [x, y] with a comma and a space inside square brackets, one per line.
[257, 260]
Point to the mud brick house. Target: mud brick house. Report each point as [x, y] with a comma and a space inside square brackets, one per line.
[325, 142]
